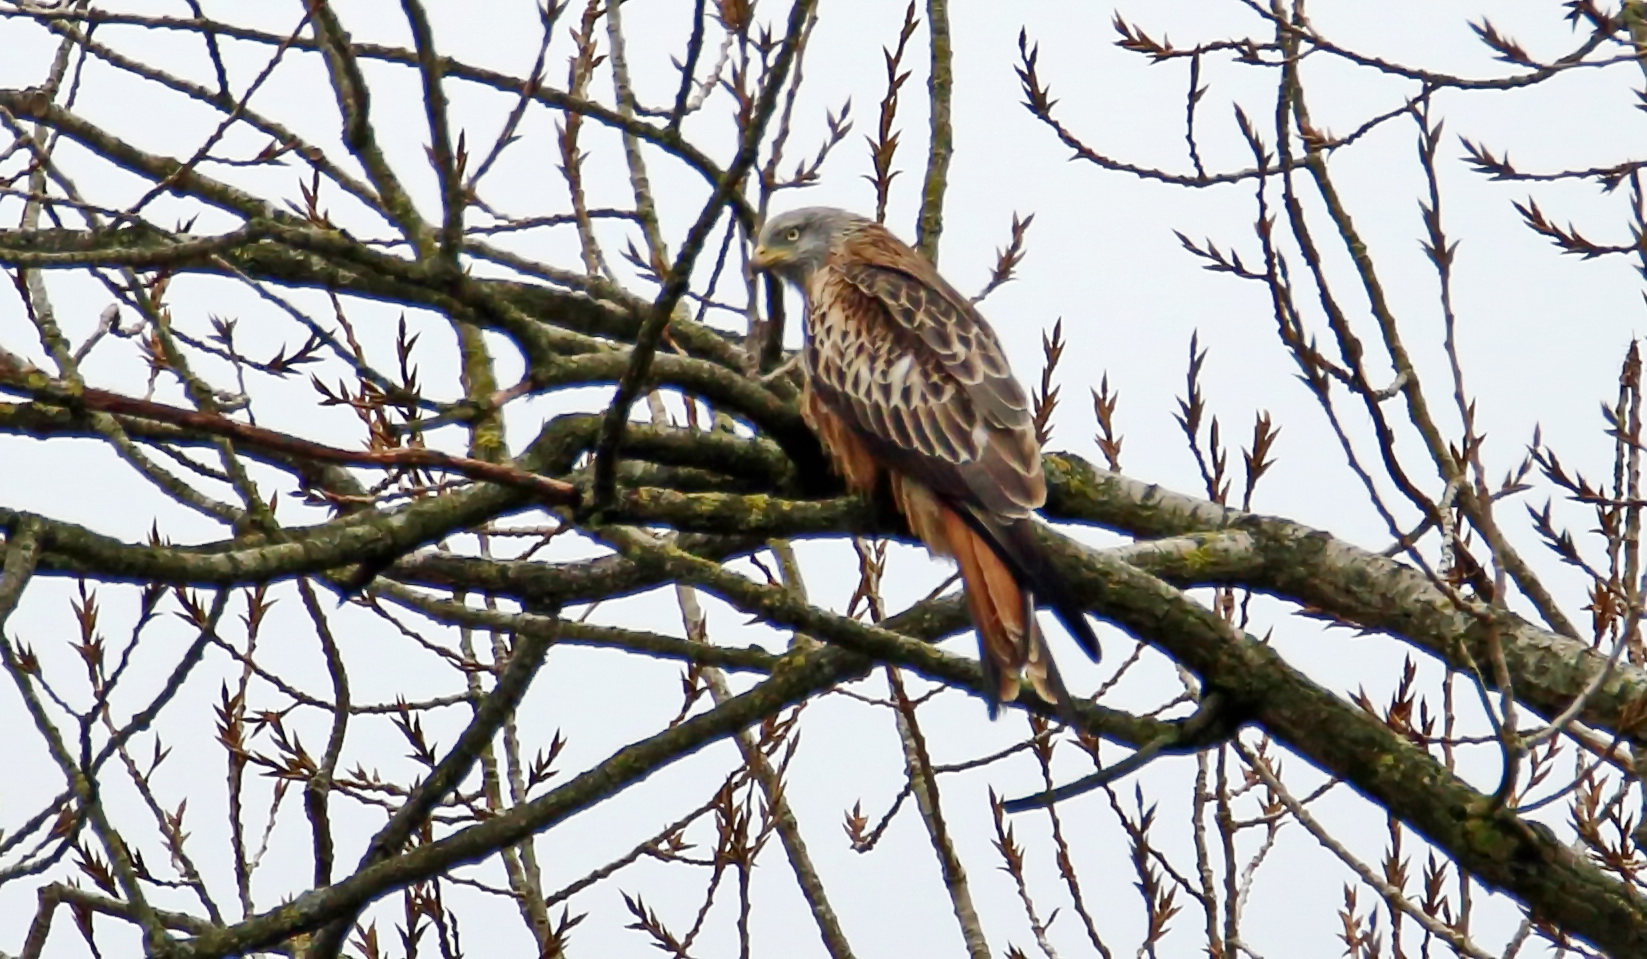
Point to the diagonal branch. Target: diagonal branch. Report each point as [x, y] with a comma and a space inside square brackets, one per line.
[680, 272]
[496, 709]
[796, 677]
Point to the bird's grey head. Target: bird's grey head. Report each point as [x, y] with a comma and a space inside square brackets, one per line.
[796, 243]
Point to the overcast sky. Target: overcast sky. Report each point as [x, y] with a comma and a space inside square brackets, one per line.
[1542, 336]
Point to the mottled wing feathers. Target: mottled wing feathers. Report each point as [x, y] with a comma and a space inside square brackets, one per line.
[898, 399]
[895, 350]
[906, 377]
[922, 301]
[951, 329]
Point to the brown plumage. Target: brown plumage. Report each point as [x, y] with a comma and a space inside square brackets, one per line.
[906, 381]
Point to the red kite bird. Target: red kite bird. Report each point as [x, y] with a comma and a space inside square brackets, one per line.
[906, 382]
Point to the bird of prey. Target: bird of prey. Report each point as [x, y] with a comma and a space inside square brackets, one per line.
[907, 385]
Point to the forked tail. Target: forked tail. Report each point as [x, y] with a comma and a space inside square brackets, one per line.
[1004, 570]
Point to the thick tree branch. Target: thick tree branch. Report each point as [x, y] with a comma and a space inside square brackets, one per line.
[1375, 592]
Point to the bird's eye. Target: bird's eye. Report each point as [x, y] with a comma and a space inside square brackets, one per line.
[792, 234]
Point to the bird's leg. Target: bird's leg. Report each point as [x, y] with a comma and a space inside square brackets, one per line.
[884, 500]
[788, 366]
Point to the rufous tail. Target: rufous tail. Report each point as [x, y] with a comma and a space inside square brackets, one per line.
[1010, 646]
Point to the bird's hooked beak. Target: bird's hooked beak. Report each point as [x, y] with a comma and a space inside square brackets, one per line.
[764, 259]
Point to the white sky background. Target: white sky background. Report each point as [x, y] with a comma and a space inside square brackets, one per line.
[1542, 337]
